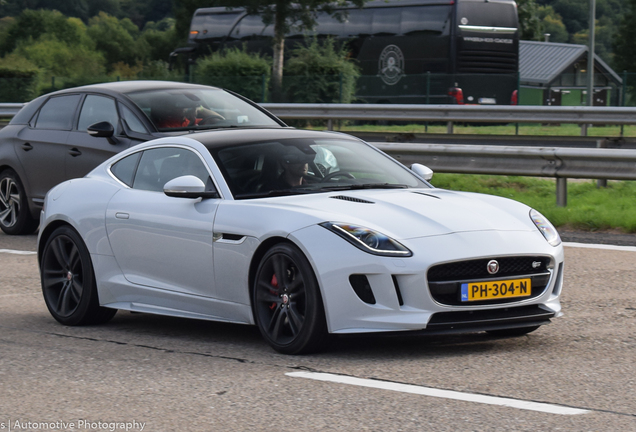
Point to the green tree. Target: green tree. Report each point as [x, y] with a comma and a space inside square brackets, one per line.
[624, 41]
[552, 23]
[33, 24]
[529, 22]
[604, 32]
[116, 39]
[574, 13]
[58, 58]
[160, 38]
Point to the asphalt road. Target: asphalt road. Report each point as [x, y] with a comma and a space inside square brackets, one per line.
[166, 374]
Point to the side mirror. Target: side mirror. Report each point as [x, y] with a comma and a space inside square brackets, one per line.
[102, 130]
[423, 171]
[188, 186]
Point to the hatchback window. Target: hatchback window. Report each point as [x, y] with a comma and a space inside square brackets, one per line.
[197, 109]
[97, 109]
[57, 113]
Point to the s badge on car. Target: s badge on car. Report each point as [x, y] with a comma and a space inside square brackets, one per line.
[492, 267]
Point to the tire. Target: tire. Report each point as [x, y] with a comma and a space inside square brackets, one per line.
[68, 281]
[288, 307]
[513, 331]
[15, 216]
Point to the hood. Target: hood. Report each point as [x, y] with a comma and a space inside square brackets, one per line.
[412, 213]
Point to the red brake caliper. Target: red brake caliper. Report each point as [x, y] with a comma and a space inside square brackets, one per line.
[274, 283]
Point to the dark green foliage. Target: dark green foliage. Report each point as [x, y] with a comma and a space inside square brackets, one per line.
[529, 21]
[320, 72]
[138, 11]
[18, 80]
[159, 39]
[236, 70]
[625, 41]
[116, 39]
[30, 25]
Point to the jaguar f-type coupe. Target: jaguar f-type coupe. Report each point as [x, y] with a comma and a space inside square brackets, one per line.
[304, 234]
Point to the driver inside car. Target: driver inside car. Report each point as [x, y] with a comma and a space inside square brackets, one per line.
[295, 167]
[166, 117]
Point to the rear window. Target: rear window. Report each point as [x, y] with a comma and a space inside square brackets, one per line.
[487, 14]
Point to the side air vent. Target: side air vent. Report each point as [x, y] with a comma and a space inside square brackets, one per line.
[361, 286]
[352, 199]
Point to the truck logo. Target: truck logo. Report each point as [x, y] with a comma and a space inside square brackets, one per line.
[391, 65]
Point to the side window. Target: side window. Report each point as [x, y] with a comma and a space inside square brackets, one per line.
[57, 113]
[124, 169]
[159, 166]
[131, 120]
[98, 109]
[425, 20]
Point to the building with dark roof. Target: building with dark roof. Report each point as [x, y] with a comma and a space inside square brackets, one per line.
[556, 74]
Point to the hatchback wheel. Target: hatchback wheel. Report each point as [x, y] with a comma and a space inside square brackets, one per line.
[68, 280]
[15, 217]
[288, 307]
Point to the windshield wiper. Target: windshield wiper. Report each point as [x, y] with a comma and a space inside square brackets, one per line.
[364, 186]
[275, 193]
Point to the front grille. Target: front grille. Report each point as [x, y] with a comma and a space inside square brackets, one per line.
[445, 280]
[477, 269]
[486, 62]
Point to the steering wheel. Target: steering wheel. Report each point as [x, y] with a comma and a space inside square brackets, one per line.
[338, 174]
[213, 118]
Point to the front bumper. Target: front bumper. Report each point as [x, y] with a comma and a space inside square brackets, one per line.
[403, 301]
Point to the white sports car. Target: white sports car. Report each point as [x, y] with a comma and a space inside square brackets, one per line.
[302, 233]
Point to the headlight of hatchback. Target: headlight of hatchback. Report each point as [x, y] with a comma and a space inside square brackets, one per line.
[368, 240]
[547, 229]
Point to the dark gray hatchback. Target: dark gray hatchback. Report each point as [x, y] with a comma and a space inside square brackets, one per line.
[66, 134]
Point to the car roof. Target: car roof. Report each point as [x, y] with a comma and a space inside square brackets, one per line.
[132, 86]
[229, 137]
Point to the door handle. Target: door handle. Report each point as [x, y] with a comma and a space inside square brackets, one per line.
[121, 215]
[74, 152]
[27, 147]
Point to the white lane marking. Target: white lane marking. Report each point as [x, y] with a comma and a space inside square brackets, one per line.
[17, 252]
[600, 246]
[447, 394]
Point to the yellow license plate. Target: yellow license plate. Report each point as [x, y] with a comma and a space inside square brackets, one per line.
[475, 291]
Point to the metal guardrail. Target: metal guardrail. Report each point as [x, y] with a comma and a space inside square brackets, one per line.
[559, 163]
[10, 109]
[581, 115]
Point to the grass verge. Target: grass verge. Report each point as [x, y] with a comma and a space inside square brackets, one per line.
[589, 208]
[508, 129]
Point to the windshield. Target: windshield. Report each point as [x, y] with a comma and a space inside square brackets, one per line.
[198, 109]
[297, 166]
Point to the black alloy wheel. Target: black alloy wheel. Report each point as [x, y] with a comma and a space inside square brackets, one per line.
[15, 217]
[288, 306]
[68, 281]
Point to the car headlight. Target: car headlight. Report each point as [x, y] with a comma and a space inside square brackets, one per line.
[368, 240]
[547, 229]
